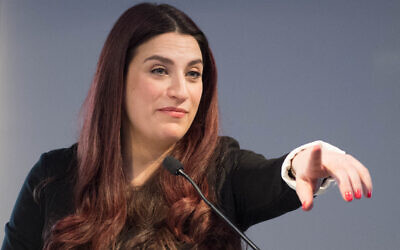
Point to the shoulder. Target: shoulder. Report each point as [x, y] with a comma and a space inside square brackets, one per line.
[228, 143]
[60, 158]
[60, 154]
[53, 163]
[226, 152]
[58, 170]
[45, 194]
[226, 158]
[227, 148]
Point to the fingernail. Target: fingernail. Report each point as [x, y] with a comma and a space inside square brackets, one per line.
[358, 194]
[304, 206]
[348, 196]
[369, 194]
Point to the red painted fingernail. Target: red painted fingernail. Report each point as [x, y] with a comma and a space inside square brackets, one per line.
[358, 194]
[369, 194]
[348, 196]
[304, 206]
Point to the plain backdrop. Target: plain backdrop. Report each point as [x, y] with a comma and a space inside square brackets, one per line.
[289, 72]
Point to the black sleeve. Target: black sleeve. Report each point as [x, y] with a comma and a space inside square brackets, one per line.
[254, 190]
[24, 230]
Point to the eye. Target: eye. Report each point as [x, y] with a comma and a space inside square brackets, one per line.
[159, 71]
[194, 74]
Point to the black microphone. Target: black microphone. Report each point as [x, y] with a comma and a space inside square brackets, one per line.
[175, 167]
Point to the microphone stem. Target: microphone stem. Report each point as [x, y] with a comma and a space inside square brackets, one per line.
[244, 237]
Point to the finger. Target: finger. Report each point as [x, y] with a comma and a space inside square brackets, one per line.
[342, 178]
[304, 190]
[316, 157]
[364, 175]
[355, 180]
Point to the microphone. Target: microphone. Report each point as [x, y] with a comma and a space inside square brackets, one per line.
[175, 167]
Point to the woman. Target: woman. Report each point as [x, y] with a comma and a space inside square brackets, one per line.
[154, 94]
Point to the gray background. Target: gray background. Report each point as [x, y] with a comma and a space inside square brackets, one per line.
[289, 72]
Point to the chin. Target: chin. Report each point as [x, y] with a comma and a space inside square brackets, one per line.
[173, 135]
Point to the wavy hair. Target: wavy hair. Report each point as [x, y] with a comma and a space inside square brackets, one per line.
[104, 207]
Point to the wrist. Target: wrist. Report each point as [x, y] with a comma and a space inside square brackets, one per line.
[291, 171]
[294, 163]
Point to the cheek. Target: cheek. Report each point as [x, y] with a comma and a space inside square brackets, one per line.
[144, 94]
[141, 103]
[196, 94]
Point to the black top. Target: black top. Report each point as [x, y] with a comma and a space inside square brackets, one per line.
[249, 190]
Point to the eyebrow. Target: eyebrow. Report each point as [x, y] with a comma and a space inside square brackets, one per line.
[169, 61]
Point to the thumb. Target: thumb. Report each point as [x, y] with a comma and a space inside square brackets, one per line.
[306, 184]
[306, 179]
[304, 190]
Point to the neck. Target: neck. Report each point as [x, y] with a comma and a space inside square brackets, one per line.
[142, 159]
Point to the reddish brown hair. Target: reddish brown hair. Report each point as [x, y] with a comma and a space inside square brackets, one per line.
[100, 191]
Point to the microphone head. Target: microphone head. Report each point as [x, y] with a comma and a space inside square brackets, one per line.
[172, 165]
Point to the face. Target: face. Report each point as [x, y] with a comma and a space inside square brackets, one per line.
[163, 88]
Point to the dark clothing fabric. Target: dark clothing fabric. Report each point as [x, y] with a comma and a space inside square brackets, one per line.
[249, 190]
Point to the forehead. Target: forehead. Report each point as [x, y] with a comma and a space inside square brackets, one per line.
[172, 45]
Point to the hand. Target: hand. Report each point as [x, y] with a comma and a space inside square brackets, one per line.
[314, 163]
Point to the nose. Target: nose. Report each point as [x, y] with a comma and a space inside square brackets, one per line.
[178, 88]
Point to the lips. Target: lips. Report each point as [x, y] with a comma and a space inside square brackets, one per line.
[174, 111]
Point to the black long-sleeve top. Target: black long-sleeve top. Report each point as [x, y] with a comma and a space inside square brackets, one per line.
[249, 190]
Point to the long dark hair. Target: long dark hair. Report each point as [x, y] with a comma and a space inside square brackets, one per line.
[100, 193]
